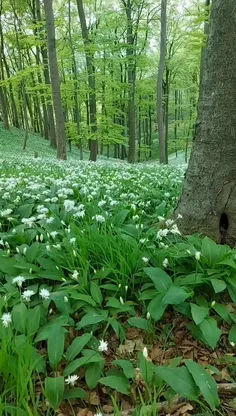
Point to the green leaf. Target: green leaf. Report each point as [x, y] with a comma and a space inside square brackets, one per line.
[86, 298]
[161, 279]
[156, 307]
[82, 361]
[31, 252]
[232, 281]
[218, 285]
[175, 295]
[77, 345]
[92, 374]
[54, 390]
[20, 316]
[44, 332]
[212, 252]
[223, 312]
[56, 341]
[199, 313]
[120, 383]
[33, 320]
[140, 323]
[91, 318]
[75, 393]
[7, 265]
[232, 334]
[205, 382]
[96, 293]
[180, 380]
[232, 293]
[126, 366]
[210, 331]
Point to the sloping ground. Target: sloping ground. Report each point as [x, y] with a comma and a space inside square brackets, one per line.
[11, 143]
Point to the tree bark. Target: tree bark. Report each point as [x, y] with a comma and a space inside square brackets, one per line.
[161, 69]
[91, 81]
[208, 200]
[55, 81]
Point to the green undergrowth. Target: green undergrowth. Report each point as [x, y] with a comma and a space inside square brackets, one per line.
[84, 261]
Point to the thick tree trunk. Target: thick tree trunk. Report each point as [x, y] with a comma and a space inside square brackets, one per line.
[161, 69]
[55, 81]
[206, 33]
[208, 200]
[3, 105]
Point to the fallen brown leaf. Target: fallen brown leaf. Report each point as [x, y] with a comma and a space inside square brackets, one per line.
[183, 410]
[83, 412]
[108, 408]
[94, 398]
[127, 347]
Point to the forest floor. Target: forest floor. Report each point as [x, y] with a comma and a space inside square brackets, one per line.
[12, 142]
[105, 307]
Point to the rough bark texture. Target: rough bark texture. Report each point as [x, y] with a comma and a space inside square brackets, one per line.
[56, 91]
[209, 193]
[161, 69]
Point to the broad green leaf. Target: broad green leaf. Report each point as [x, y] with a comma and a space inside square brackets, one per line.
[86, 298]
[161, 279]
[56, 341]
[223, 312]
[31, 252]
[212, 252]
[91, 318]
[20, 316]
[175, 295]
[232, 281]
[140, 323]
[75, 393]
[232, 293]
[77, 345]
[210, 331]
[120, 384]
[82, 361]
[232, 334]
[205, 382]
[44, 332]
[96, 293]
[180, 380]
[199, 313]
[218, 285]
[33, 320]
[126, 366]
[156, 307]
[93, 374]
[7, 265]
[54, 390]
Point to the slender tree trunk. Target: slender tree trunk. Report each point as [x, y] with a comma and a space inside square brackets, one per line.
[56, 91]
[161, 69]
[130, 54]
[91, 82]
[208, 200]
[176, 123]
[76, 85]
[3, 105]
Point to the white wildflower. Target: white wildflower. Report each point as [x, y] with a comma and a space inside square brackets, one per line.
[71, 380]
[165, 262]
[103, 346]
[27, 294]
[213, 303]
[18, 280]
[45, 294]
[53, 234]
[145, 259]
[148, 315]
[72, 240]
[99, 218]
[121, 301]
[75, 274]
[198, 255]
[6, 319]
[232, 344]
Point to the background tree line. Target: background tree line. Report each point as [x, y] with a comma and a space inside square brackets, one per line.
[106, 54]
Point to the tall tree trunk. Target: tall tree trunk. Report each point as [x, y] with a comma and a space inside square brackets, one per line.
[176, 123]
[161, 69]
[55, 81]
[130, 54]
[76, 86]
[3, 105]
[209, 193]
[91, 82]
